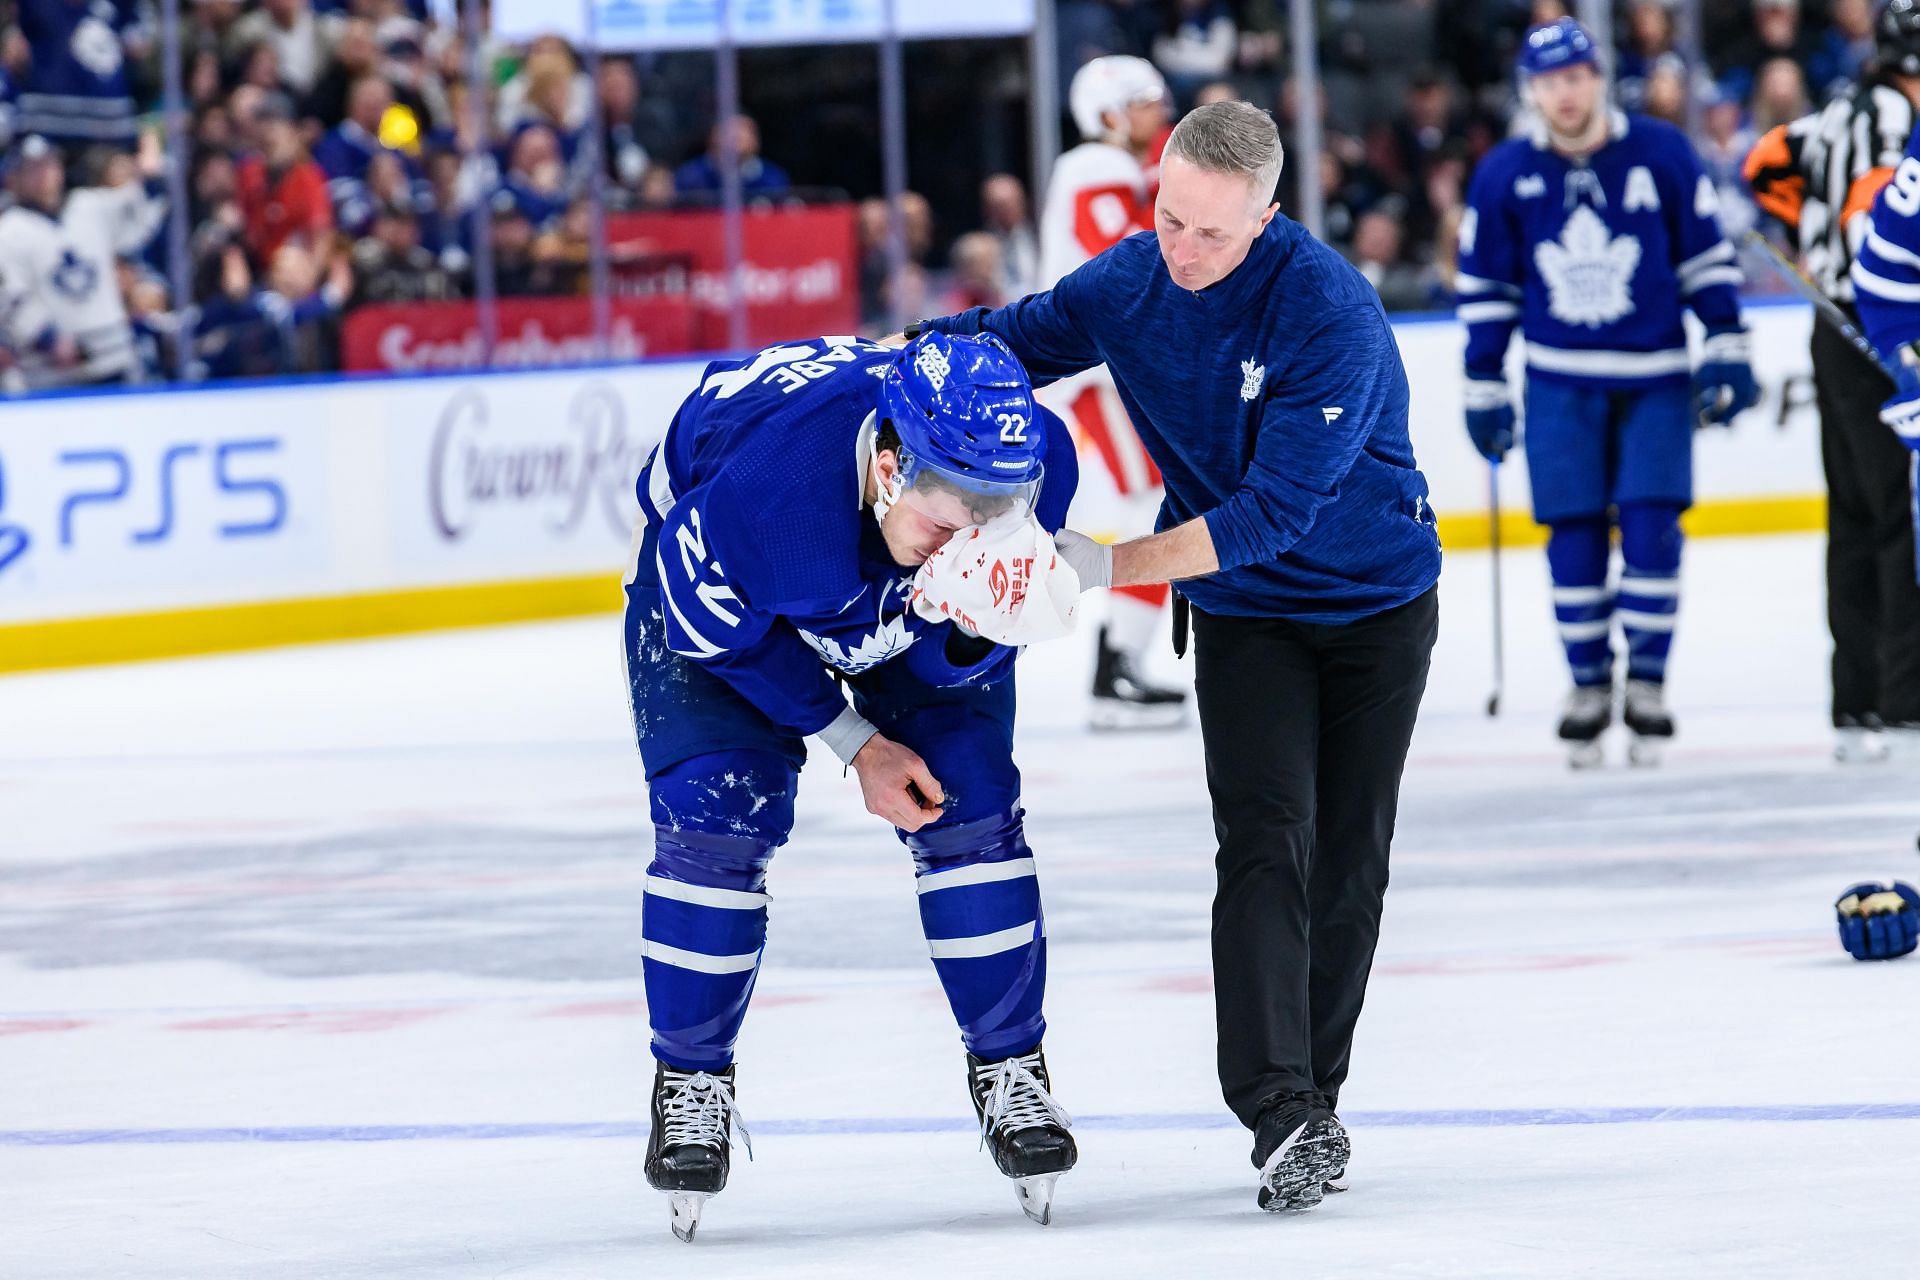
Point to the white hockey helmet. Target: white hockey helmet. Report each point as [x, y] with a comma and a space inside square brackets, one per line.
[1112, 83]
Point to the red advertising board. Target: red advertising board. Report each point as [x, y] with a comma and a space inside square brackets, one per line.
[422, 337]
[799, 273]
[800, 268]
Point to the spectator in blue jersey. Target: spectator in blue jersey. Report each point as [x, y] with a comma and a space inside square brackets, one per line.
[246, 331]
[347, 150]
[1264, 380]
[787, 519]
[1592, 235]
[78, 92]
[758, 175]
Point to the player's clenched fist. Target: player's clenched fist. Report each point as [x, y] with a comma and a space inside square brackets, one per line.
[1879, 922]
[897, 785]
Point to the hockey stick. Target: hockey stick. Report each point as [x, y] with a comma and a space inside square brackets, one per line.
[1803, 284]
[1499, 615]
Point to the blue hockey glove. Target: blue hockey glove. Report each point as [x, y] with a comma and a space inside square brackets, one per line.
[1902, 410]
[1489, 416]
[1879, 922]
[1723, 385]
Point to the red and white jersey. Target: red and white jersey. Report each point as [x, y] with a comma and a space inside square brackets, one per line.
[1096, 197]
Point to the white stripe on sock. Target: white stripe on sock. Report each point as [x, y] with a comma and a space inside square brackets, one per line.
[985, 944]
[696, 961]
[978, 873]
[701, 895]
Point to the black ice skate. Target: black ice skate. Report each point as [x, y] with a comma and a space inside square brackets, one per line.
[1123, 700]
[1645, 711]
[1024, 1127]
[1301, 1152]
[687, 1151]
[1588, 712]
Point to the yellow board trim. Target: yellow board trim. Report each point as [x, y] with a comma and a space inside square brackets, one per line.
[1715, 518]
[173, 633]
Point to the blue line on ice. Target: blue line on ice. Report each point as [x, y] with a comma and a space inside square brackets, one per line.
[1469, 1118]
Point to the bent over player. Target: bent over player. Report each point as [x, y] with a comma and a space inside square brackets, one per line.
[783, 517]
[1591, 235]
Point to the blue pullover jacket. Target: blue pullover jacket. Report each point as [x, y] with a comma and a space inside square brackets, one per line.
[1274, 403]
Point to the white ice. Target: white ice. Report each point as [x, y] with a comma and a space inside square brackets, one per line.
[323, 962]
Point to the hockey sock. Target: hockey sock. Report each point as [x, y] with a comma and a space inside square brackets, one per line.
[1577, 553]
[1134, 617]
[1649, 603]
[717, 820]
[980, 907]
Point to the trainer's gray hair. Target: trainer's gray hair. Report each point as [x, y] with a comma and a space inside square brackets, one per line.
[1231, 137]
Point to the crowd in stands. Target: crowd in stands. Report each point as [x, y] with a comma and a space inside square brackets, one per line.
[334, 159]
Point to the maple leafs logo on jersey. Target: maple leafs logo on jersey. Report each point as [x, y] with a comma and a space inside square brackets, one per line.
[1589, 271]
[75, 276]
[887, 638]
[1252, 377]
[933, 366]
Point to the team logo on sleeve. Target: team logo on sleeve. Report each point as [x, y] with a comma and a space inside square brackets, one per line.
[1252, 378]
[1589, 271]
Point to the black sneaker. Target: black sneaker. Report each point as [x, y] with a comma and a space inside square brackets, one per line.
[1301, 1149]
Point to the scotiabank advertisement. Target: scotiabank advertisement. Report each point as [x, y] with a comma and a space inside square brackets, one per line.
[799, 275]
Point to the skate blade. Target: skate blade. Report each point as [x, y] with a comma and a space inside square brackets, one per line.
[1646, 753]
[1110, 716]
[1585, 755]
[684, 1212]
[1035, 1195]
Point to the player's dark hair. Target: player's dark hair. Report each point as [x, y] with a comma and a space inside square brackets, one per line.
[887, 437]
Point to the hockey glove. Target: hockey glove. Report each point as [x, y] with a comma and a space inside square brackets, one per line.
[1003, 580]
[1723, 385]
[1902, 410]
[1489, 416]
[1879, 922]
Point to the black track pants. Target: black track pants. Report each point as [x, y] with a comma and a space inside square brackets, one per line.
[1306, 729]
[1873, 604]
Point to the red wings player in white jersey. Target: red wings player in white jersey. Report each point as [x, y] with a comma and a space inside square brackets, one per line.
[1100, 193]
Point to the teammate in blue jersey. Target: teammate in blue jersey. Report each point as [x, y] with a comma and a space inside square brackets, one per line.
[783, 518]
[1591, 235]
[1886, 289]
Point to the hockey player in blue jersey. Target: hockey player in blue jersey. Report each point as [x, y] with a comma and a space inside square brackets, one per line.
[1591, 234]
[784, 516]
[1886, 289]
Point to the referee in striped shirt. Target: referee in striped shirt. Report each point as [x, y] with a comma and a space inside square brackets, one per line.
[1819, 175]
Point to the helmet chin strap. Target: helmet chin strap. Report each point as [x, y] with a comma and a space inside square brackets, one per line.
[886, 492]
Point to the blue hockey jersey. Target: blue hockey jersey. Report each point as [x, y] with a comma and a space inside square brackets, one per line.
[77, 89]
[1886, 268]
[1275, 405]
[1594, 259]
[770, 568]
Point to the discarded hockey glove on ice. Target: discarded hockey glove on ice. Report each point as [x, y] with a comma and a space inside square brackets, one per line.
[1004, 580]
[1879, 922]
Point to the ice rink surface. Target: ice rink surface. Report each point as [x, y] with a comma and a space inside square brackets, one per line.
[325, 962]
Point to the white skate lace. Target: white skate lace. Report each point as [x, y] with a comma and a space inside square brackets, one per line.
[698, 1108]
[1016, 1099]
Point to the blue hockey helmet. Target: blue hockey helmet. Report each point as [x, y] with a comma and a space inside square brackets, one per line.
[1551, 46]
[964, 411]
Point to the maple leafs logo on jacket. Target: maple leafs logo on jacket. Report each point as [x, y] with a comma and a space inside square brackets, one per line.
[1589, 271]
